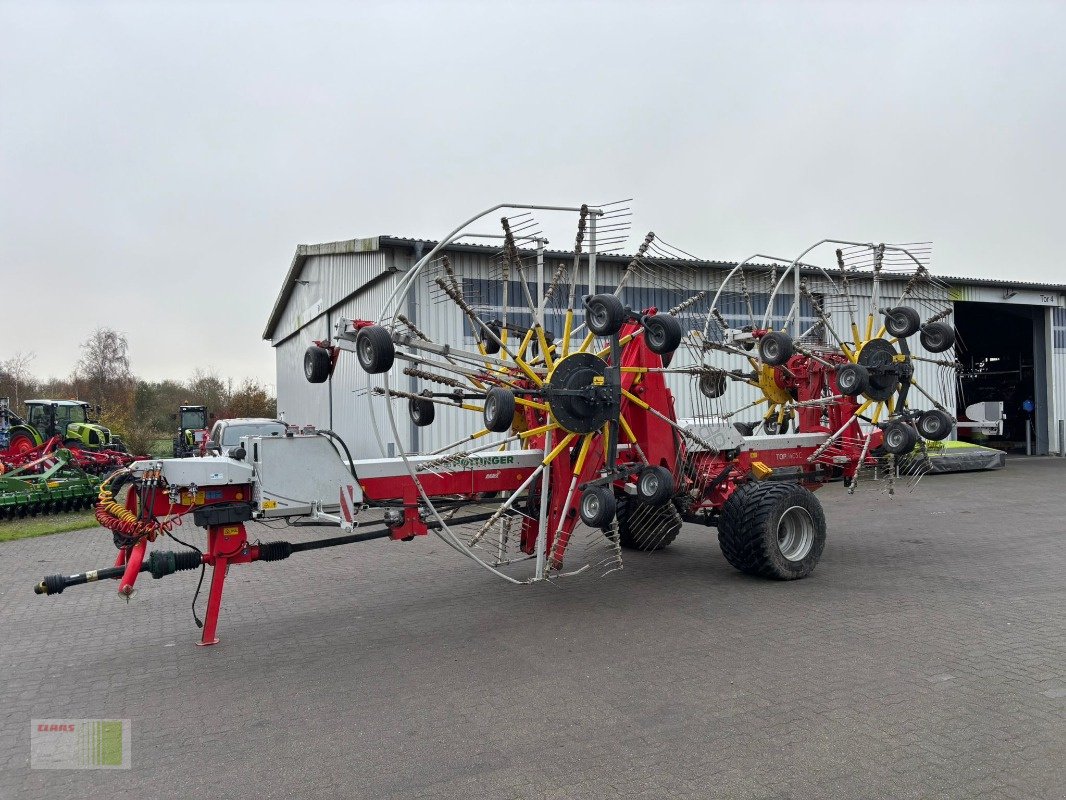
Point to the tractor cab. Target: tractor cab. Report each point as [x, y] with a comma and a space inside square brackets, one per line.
[193, 418]
[192, 430]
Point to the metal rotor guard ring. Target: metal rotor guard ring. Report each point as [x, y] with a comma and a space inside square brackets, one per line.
[579, 394]
[878, 355]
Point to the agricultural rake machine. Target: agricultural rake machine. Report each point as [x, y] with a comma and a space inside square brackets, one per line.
[587, 424]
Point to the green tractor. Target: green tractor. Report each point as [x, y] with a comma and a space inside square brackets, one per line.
[66, 418]
[192, 430]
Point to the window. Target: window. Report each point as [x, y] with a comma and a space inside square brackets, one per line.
[231, 437]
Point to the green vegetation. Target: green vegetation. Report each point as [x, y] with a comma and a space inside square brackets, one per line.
[42, 526]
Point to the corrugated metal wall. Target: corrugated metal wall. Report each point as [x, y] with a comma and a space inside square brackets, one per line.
[365, 280]
[329, 279]
[300, 402]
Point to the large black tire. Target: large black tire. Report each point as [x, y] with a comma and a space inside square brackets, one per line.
[490, 342]
[499, 409]
[598, 506]
[773, 530]
[374, 349]
[712, 384]
[935, 425]
[771, 427]
[936, 337]
[605, 314]
[852, 379]
[317, 364]
[644, 527]
[662, 333]
[422, 411]
[655, 485]
[775, 348]
[902, 321]
[899, 438]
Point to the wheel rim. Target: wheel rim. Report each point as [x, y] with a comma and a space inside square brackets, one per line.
[649, 483]
[366, 351]
[591, 505]
[712, 386]
[795, 533]
[656, 336]
[770, 350]
[599, 315]
[894, 438]
[932, 426]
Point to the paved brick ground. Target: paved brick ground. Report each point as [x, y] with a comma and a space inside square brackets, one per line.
[925, 658]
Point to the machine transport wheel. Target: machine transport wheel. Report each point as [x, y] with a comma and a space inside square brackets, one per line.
[499, 409]
[655, 486]
[663, 333]
[771, 427]
[375, 349]
[317, 364]
[422, 412]
[853, 379]
[935, 425]
[900, 438]
[646, 528]
[598, 506]
[902, 321]
[712, 385]
[775, 530]
[490, 345]
[605, 315]
[775, 348]
[936, 337]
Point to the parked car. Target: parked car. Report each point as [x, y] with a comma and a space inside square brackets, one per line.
[226, 433]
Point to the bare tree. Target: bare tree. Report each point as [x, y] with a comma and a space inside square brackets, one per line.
[18, 369]
[104, 367]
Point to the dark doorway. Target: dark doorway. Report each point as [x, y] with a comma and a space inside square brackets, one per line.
[1003, 362]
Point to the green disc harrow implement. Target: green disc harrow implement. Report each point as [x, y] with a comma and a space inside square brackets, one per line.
[59, 487]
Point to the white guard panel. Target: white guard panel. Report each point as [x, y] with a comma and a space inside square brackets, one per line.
[201, 471]
[297, 472]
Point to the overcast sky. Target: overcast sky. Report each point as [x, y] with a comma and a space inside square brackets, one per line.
[159, 162]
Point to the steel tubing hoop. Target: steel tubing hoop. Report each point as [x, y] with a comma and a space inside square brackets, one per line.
[444, 531]
[794, 268]
[729, 277]
[404, 283]
[402, 287]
